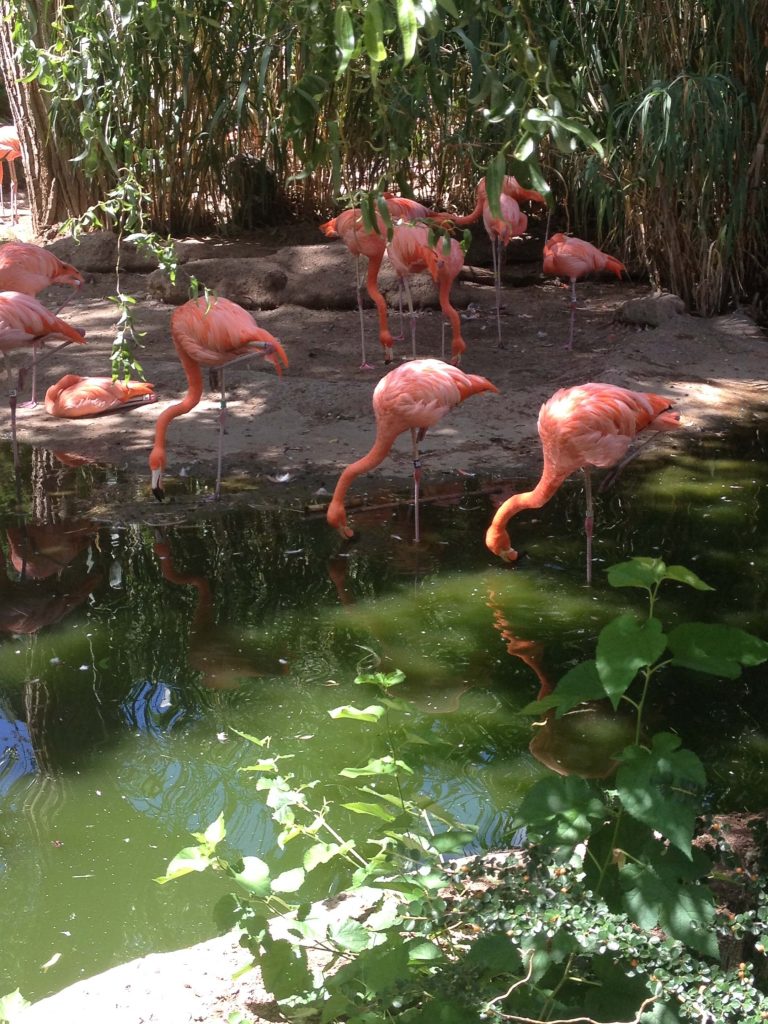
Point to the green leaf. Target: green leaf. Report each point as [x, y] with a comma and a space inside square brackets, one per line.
[579, 684]
[344, 34]
[12, 1005]
[655, 896]
[216, 831]
[321, 853]
[493, 955]
[383, 679]
[375, 810]
[422, 951]
[254, 877]
[637, 572]
[373, 32]
[370, 714]
[661, 788]
[350, 935]
[284, 970]
[289, 881]
[716, 649]
[191, 858]
[561, 809]
[494, 181]
[683, 575]
[623, 648]
[452, 840]
[406, 19]
[377, 766]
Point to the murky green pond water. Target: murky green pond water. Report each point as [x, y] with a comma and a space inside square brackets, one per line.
[129, 656]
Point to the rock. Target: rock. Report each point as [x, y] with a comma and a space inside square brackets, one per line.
[97, 253]
[159, 287]
[651, 310]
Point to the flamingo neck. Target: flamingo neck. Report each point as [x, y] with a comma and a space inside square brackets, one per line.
[336, 514]
[157, 458]
[497, 538]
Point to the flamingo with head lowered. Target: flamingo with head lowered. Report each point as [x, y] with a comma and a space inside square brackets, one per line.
[580, 427]
[209, 332]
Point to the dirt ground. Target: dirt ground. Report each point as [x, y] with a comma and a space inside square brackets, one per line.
[291, 437]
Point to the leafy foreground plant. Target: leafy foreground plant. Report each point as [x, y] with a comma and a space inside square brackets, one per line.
[607, 916]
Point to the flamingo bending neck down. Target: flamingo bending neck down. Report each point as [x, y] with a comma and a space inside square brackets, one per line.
[209, 332]
[580, 427]
[414, 396]
[574, 258]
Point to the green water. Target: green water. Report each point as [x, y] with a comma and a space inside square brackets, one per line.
[128, 663]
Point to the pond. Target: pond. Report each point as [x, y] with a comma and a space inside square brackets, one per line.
[132, 657]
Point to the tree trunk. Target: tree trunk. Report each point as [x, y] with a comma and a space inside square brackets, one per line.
[56, 188]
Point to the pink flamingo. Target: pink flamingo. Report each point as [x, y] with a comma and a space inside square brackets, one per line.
[209, 332]
[414, 396]
[510, 187]
[501, 230]
[28, 268]
[23, 323]
[72, 397]
[580, 427]
[574, 258]
[10, 151]
[411, 253]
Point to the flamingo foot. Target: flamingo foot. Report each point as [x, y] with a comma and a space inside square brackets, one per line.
[367, 366]
[388, 354]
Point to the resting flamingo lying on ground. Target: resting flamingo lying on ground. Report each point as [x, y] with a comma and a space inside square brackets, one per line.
[414, 396]
[580, 427]
[209, 332]
[574, 258]
[73, 396]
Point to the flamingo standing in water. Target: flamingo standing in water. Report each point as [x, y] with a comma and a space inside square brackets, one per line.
[10, 151]
[580, 427]
[410, 253]
[414, 396]
[501, 230]
[73, 396]
[23, 323]
[209, 332]
[574, 258]
[372, 242]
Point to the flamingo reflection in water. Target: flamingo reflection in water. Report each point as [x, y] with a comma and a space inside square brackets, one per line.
[583, 742]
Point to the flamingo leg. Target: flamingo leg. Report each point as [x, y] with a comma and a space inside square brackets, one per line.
[364, 364]
[14, 212]
[417, 436]
[496, 251]
[589, 519]
[411, 317]
[573, 313]
[222, 422]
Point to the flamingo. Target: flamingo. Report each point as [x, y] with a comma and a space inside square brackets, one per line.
[411, 253]
[10, 150]
[574, 258]
[580, 427]
[28, 268]
[23, 322]
[350, 227]
[501, 230]
[510, 187]
[73, 396]
[414, 396]
[209, 332]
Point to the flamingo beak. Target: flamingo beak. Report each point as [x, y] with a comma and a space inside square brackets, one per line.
[275, 353]
[157, 486]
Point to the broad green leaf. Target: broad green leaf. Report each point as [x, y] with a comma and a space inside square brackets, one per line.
[406, 19]
[716, 649]
[561, 809]
[284, 970]
[12, 1005]
[661, 788]
[494, 181]
[492, 955]
[623, 648]
[377, 766]
[579, 684]
[452, 840]
[373, 32]
[655, 897]
[637, 572]
[422, 951]
[450, 6]
[191, 858]
[321, 853]
[289, 881]
[254, 877]
[350, 935]
[370, 714]
[375, 810]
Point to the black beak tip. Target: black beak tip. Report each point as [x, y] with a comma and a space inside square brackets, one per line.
[159, 493]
